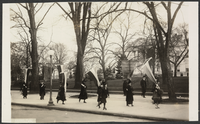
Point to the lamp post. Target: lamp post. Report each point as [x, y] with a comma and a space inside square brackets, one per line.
[51, 52]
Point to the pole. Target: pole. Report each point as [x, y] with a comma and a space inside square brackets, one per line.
[50, 99]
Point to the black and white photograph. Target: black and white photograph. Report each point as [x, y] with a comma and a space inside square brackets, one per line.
[99, 61]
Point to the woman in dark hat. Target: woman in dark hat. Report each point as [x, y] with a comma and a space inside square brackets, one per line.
[83, 93]
[129, 94]
[61, 94]
[24, 90]
[42, 90]
[104, 94]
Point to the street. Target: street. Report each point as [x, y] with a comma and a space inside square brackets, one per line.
[39, 115]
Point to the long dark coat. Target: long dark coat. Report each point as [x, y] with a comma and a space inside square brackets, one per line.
[99, 92]
[157, 95]
[104, 94]
[24, 90]
[42, 91]
[83, 93]
[143, 85]
[129, 95]
[61, 94]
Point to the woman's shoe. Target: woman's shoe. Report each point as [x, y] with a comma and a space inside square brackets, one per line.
[104, 108]
[98, 106]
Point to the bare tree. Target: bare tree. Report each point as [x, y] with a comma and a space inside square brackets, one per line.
[31, 27]
[101, 36]
[179, 46]
[18, 59]
[125, 35]
[60, 55]
[81, 15]
[163, 38]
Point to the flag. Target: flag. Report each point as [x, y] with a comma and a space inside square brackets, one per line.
[93, 75]
[145, 68]
[65, 80]
[61, 73]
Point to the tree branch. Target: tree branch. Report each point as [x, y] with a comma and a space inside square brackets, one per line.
[40, 23]
[21, 18]
[39, 8]
[65, 11]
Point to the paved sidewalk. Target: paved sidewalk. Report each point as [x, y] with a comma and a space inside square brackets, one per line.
[116, 106]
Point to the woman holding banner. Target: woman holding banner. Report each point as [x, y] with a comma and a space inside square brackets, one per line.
[61, 94]
[24, 90]
[104, 94]
[42, 90]
[83, 93]
[157, 96]
[99, 91]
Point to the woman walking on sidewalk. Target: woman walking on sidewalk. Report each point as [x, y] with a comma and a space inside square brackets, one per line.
[104, 94]
[83, 93]
[99, 92]
[143, 86]
[157, 96]
[61, 94]
[129, 94]
[24, 90]
[42, 90]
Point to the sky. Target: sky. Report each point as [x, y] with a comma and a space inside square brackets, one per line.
[62, 30]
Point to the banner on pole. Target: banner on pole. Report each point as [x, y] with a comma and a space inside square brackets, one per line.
[145, 69]
[93, 75]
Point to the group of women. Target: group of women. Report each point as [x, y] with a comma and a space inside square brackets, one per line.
[102, 92]
[128, 92]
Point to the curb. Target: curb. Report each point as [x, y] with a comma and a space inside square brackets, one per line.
[100, 113]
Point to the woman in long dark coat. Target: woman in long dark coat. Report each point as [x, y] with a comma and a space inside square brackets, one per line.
[99, 91]
[61, 94]
[24, 90]
[129, 94]
[143, 86]
[104, 94]
[83, 93]
[42, 90]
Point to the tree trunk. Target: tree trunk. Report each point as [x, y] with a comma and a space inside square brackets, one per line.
[167, 78]
[33, 32]
[175, 71]
[104, 70]
[79, 70]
